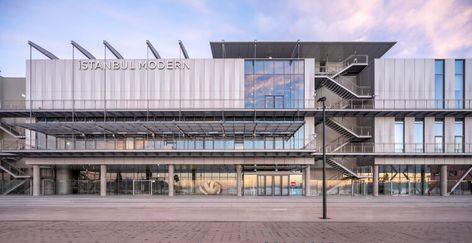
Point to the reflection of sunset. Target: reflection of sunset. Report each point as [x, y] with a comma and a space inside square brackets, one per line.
[268, 78]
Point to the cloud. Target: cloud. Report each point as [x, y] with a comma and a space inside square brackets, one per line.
[432, 28]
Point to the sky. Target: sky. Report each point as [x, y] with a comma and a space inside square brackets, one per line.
[422, 28]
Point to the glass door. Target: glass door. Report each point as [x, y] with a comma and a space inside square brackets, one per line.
[273, 185]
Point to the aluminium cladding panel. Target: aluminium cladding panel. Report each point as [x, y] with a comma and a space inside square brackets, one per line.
[468, 79]
[404, 83]
[197, 84]
[384, 135]
[468, 135]
[310, 83]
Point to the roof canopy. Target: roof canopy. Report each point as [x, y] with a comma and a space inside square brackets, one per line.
[336, 51]
[249, 128]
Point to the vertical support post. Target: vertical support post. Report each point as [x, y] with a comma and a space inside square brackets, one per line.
[239, 180]
[423, 178]
[443, 180]
[103, 180]
[375, 180]
[170, 180]
[307, 181]
[324, 158]
[36, 180]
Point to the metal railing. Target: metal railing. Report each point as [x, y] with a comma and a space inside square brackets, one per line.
[355, 88]
[212, 104]
[399, 148]
[358, 130]
[162, 144]
[336, 67]
[400, 104]
[356, 59]
[248, 144]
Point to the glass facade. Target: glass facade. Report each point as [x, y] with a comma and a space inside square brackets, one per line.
[274, 84]
[459, 81]
[419, 135]
[399, 135]
[404, 179]
[459, 136]
[143, 142]
[439, 83]
[439, 135]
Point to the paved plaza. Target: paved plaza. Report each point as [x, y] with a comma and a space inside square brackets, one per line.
[231, 219]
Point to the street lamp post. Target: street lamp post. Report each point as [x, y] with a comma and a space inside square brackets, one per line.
[323, 101]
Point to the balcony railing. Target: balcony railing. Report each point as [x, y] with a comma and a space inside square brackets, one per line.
[247, 144]
[358, 130]
[334, 67]
[209, 104]
[401, 104]
[399, 148]
[161, 144]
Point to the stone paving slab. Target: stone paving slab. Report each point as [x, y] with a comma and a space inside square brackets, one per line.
[86, 232]
[348, 209]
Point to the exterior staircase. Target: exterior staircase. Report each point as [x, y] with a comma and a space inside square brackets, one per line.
[352, 133]
[342, 86]
[18, 175]
[10, 130]
[343, 169]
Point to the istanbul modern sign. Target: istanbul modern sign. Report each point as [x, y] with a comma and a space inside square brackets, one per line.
[134, 65]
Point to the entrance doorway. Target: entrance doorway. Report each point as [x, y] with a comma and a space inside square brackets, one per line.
[273, 185]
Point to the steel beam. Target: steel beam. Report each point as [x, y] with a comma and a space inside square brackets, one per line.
[153, 50]
[112, 50]
[42, 50]
[184, 51]
[82, 50]
[460, 180]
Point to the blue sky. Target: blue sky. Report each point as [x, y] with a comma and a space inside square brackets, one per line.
[430, 28]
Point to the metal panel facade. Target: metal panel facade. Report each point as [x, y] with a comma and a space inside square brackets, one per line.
[132, 84]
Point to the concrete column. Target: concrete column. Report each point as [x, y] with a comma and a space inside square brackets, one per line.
[375, 180]
[239, 179]
[36, 181]
[443, 179]
[307, 181]
[170, 180]
[63, 180]
[103, 180]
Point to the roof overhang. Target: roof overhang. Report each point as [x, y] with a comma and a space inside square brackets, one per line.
[335, 51]
[188, 128]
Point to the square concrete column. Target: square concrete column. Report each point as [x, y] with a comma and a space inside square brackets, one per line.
[170, 180]
[307, 181]
[443, 180]
[36, 180]
[239, 179]
[63, 180]
[375, 180]
[103, 180]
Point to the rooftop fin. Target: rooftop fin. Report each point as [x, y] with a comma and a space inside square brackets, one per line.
[182, 47]
[153, 50]
[112, 50]
[42, 50]
[82, 50]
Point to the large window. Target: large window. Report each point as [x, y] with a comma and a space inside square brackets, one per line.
[439, 136]
[419, 135]
[439, 83]
[399, 135]
[459, 84]
[274, 84]
[459, 136]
